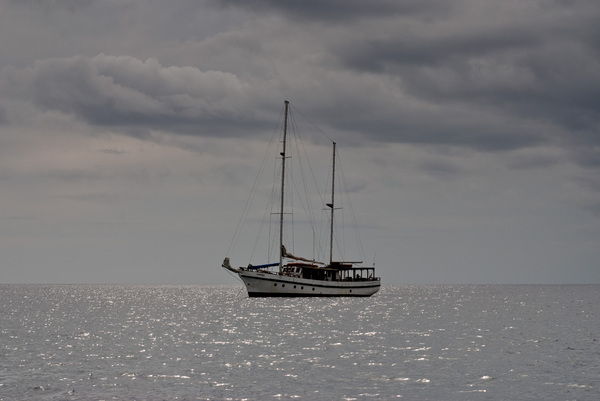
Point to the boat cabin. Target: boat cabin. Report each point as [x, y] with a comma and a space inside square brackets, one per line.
[336, 271]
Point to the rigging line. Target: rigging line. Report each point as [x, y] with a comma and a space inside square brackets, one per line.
[235, 276]
[261, 227]
[313, 124]
[270, 246]
[309, 166]
[303, 202]
[240, 291]
[268, 210]
[352, 214]
[273, 239]
[317, 234]
[308, 210]
[340, 222]
[253, 190]
[336, 238]
[247, 205]
[302, 161]
[320, 131]
[322, 229]
[327, 218]
[292, 187]
[303, 199]
[288, 228]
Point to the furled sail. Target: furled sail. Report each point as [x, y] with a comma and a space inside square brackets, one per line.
[286, 254]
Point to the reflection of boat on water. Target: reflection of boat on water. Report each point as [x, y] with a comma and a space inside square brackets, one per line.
[294, 276]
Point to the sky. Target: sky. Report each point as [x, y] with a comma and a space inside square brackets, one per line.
[131, 132]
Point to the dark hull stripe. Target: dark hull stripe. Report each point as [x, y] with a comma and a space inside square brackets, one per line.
[314, 285]
[300, 295]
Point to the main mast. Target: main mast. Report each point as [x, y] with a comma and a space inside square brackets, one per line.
[332, 206]
[282, 184]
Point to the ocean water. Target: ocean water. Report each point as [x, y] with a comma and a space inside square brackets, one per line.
[193, 342]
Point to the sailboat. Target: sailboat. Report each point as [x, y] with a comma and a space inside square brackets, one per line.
[294, 276]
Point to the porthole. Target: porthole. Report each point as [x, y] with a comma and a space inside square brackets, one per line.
[283, 285]
[275, 285]
[302, 287]
[294, 287]
[313, 288]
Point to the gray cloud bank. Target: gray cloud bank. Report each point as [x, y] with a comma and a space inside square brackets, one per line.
[475, 74]
[128, 92]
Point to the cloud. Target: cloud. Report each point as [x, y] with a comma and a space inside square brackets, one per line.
[125, 91]
[50, 5]
[338, 10]
[478, 75]
[540, 65]
[3, 116]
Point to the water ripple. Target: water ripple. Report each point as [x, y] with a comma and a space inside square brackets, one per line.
[206, 342]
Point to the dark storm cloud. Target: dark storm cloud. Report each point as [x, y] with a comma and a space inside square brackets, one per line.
[541, 68]
[484, 75]
[476, 75]
[127, 92]
[441, 169]
[590, 156]
[533, 161]
[473, 128]
[546, 72]
[338, 10]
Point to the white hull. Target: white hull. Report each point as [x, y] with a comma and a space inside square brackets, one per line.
[265, 284]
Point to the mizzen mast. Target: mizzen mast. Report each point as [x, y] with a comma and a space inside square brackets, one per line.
[282, 184]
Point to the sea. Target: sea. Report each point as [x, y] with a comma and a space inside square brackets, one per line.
[212, 342]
